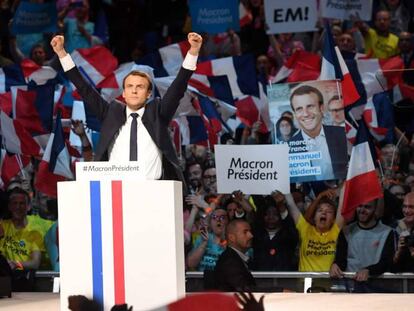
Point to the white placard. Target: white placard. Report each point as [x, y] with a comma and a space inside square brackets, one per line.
[108, 171]
[290, 16]
[252, 169]
[346, 9]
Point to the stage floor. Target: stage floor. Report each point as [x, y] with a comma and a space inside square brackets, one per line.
[276, 301]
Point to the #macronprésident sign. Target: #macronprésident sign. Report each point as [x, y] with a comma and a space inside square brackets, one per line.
[252, 169]
[290, 16]
[35, 18]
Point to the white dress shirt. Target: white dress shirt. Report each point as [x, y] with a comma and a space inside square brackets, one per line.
[325, 163]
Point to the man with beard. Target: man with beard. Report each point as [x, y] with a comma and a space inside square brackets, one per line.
[231, 271]
[365, 247]
[195, 177]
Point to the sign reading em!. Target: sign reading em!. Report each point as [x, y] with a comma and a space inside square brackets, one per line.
[290, 16]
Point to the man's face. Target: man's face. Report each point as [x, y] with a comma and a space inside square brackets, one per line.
[231, 209]
[285, 128]
[210, 180]
[39, 55]
[346, 43]
[308, 112]
[382, 21]
[408, 208]
[405, 42]
[271, 218]
[218, 221]
[243, 237]
[324, 217]
[136, 92]
[365, 213]
[195, 175]
[336, 109]
[18, 206]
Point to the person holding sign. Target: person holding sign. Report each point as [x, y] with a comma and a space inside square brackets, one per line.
[322, 146]
[140, 126]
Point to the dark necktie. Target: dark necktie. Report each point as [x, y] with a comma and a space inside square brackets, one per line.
[133, 149]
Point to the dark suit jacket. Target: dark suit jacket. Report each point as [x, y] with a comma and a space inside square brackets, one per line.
[157, 116]
[231, 273]
[337, 145]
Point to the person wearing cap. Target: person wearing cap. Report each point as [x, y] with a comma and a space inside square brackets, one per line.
[150, 143]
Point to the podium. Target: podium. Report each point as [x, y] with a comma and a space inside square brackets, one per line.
[120, 238]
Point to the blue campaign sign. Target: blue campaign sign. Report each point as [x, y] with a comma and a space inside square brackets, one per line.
[35, 18]
[214, 16]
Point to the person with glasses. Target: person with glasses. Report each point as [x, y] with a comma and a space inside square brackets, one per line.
[404, 228]
[210, 244]
[365, 247]
[210, 180]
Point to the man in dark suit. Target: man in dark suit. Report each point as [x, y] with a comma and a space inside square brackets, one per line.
[327, 141]
[231, 272]
[138, 129]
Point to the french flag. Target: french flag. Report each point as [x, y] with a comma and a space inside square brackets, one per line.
[167, 60]
[334, 67]
[251, 109]
[373, 76]
[16, 139]
[193, 130]
[40, 75]
[245, 15]
[11, 165]
[379, 116]
[34, 108]
[240, 71]
[300, 66]
[213, 86]
[362, 184]
[56, 162]
[6, 102]
[96, 63]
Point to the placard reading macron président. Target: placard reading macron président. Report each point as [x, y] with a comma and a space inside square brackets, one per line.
[252, 169]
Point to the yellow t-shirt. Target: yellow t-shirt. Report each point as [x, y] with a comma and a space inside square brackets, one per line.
[380, 47]
[317, 250]
[18, 244]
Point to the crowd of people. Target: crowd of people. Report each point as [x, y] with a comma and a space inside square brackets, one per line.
[229, 235]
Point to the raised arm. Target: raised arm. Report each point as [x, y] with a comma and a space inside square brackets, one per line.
[290, 202]
[175, 92]
[92, 99]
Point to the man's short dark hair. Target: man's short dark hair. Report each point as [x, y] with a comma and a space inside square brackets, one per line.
[335, 97]
[140, 74]
[232, 226]
[304, 90]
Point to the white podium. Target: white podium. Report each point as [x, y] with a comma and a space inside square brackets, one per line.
[121, 240]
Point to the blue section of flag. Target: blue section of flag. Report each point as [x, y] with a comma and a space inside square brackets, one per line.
[246, 74]
[385, 114]
[198, 131]
[328, 51]
[44, 104]
[363, 135]
[13, 75]
[221, 88]
[154, 60]
[58, 143]
[96, 231]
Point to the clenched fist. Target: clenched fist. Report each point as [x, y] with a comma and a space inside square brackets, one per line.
[195, 41]
[58, 45]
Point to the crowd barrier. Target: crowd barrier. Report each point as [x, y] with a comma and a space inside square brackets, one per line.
[269, 281]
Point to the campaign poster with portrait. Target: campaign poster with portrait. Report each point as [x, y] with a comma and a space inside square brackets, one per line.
[309, 117]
